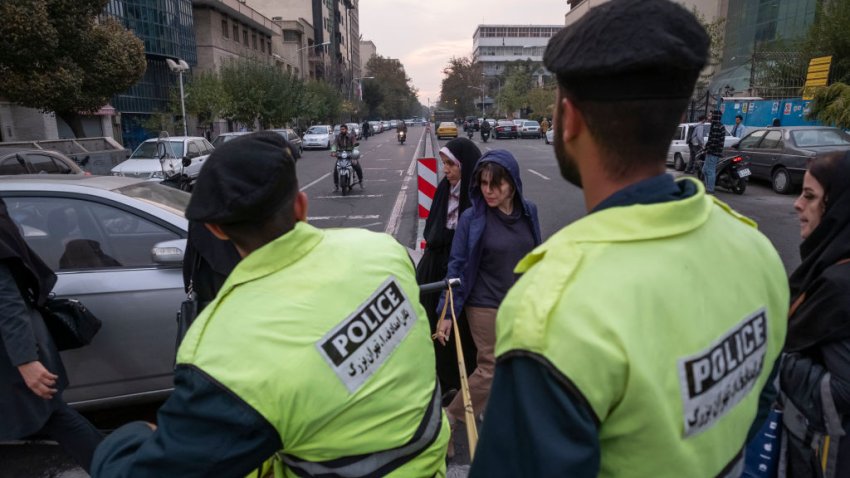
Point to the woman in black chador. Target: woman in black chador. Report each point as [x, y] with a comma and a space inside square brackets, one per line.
[32, 376]
[450, 200]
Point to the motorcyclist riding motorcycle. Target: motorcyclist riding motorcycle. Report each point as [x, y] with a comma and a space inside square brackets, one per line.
[344, 141]
[401, 132]
[367, 130]
[485, 130]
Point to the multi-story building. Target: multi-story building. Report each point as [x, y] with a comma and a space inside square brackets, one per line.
[167, 29]
[228, 30]
[709, 9]
[367, 51]
[296, 45]
[494, 46]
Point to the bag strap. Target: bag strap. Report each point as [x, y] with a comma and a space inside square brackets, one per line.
[196, 265]
[802, 297]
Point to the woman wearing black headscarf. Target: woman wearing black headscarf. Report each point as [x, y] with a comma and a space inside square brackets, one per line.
[815, 371]
[450, 200]
[32, 376]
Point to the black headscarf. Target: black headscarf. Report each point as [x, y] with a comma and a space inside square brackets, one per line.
[34, 277]
[825, 312]
[468, 154]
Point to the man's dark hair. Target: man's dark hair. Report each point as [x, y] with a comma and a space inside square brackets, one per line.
[701, 118]
[634, 133]
[740, 117]
[253, 235]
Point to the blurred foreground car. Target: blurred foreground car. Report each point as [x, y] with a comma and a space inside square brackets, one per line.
[447, 129]
[779, 155]
[117, 245]
[38, 161]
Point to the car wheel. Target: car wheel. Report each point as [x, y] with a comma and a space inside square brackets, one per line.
[678, 162]
[781, 180]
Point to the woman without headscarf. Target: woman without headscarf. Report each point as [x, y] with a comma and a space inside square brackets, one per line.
[31, 370]
[450, 200]
[815, 371]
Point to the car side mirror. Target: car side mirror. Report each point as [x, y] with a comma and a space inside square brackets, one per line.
[169, 253]
[187, 161]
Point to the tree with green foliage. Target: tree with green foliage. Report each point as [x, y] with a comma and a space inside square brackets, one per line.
[62, 56]
[259, 92]
[514, 95]
[831, 105]
[373, 97]
[396, 93]
[541, 101]
[206, 98]
[458, 89]
[321, 103]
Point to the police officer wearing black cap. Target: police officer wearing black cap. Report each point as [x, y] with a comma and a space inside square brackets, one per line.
[636, 342]
[308, 360]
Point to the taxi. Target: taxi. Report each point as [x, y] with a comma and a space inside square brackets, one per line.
[447, 129]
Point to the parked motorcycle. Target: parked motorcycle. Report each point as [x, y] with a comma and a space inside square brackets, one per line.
[731, 172]
[345, 169]
[401, 137]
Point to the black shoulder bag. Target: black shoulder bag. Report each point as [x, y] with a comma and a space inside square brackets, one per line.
[189, 307]
[70, 323]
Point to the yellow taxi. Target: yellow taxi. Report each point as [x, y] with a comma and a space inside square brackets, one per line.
[447, 129]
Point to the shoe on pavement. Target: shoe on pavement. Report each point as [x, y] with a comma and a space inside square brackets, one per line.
[336, 189]
[361, 184]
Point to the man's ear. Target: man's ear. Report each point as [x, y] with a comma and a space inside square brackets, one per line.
[301, 207]
[571, 119]
[216, 231]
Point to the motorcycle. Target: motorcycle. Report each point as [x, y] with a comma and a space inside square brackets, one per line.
[485, 135]
[470, 133]
[401, 137]
[345, 169]
[731, 172]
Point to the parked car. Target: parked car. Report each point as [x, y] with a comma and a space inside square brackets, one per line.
[116, 244]
[291, 136]
[529, 129]
[505, 129]
[387, 125]
[410, 122]
[161, 158]
[550, 136]
[779, 155]
[377, 127]
[318, 136]
[356, 129]
[38, 161]
[473, 120]
[447, 129]
[225, 137]
[679, 154]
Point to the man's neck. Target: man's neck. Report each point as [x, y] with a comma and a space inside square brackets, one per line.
[598, 186]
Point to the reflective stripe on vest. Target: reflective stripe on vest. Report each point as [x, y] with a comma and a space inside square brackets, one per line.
[379, 463]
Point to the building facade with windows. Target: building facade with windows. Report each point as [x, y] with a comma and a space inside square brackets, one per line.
[228, 30]
[367, 51]
[710, 10]
[494, 46]
[167, 29]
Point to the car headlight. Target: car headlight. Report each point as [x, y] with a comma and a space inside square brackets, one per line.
[116, 173]
[157, 175]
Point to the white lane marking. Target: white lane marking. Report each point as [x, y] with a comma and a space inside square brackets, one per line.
[316, 181]
[375, 180]
[352, 196]
[385, 159]
[395, 218]
[538, 174]
[333, 218]
[380, 145]
[371, 224]
[377, 169]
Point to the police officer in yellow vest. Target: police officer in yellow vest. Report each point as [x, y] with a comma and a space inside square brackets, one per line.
[639, 337]
[315, 350]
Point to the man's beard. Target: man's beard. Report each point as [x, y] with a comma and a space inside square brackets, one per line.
[566, 163]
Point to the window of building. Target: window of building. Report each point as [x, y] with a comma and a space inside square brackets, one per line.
[235, 32]
[289, 35]
[245, 37]
[262, 46]
[254, 40]
[225, 31]
[269, 46]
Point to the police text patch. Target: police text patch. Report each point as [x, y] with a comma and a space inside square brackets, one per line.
[714, 380]
[362, 342]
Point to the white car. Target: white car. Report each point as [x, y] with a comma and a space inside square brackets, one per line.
[679, 154]
[529, 129]
[160, 158]
[550, 136]
[318, 136]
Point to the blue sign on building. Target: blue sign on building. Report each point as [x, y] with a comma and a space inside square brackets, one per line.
[758, 113]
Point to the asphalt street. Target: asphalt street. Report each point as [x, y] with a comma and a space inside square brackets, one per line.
[388, 203]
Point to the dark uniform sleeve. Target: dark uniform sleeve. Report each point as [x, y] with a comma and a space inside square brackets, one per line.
[203, 430]
[15, 327]
[535, 426]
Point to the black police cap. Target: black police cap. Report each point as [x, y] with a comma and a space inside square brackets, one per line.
[630, 50]
[244, 180]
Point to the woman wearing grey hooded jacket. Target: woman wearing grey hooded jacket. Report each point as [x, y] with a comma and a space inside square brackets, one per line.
[498, 230]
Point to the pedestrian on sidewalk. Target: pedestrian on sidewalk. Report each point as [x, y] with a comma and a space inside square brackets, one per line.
[311, 355]
[498, 230]
[713, 150]
[450, 201]
[696, 142]
[32, 376]
[601, 371]
[815, 375]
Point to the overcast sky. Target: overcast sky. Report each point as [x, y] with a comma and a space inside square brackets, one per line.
[425, 34]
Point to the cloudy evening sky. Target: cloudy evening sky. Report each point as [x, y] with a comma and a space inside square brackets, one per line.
[424, 34]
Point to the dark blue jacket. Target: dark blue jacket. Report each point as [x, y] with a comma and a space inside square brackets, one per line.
[466, 245]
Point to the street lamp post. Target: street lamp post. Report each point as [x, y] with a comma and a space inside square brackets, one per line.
[179, 67]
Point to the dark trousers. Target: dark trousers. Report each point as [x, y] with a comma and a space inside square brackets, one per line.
[74, 433]
[693, 158]
[357, 170]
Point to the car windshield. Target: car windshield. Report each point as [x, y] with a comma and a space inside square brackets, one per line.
[165, 197]
[506, 123]
[148, 150]
[531, 123]
[820, 137]
[318, 130]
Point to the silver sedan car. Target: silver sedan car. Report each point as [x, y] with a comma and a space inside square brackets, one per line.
[116, 244]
